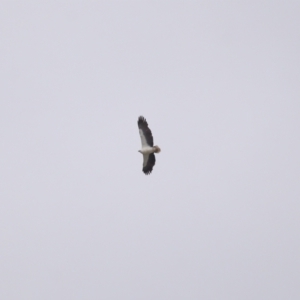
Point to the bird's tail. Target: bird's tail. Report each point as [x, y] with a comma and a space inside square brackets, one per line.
[156, 149]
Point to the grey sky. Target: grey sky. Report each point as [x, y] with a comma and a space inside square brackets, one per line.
[219, 217]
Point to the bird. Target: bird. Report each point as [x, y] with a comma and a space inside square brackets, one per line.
[148, 149]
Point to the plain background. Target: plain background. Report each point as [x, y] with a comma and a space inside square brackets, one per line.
[219, 217]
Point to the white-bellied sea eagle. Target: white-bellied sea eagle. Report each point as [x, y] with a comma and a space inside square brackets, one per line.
[148, 149]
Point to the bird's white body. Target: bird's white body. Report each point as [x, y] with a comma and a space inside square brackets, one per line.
[147, 150]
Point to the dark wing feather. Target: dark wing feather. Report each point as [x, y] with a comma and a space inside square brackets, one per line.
[149, 164]
[143, 125]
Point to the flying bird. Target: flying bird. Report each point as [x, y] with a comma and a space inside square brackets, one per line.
[148, 149]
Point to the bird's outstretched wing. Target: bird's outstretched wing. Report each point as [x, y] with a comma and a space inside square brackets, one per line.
[145, 133]
[149, 162]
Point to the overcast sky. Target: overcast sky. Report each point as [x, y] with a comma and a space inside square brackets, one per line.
[219, 84]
